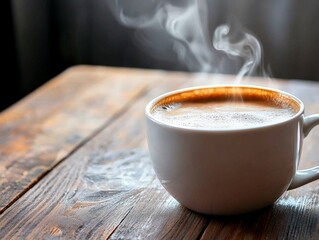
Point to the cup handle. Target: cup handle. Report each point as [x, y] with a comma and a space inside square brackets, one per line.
[305, 176]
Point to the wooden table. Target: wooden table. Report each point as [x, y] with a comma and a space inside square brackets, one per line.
[74, 164]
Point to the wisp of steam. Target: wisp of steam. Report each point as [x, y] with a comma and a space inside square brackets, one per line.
[184, 27]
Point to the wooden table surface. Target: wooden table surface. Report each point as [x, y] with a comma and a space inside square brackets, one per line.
[74, 164]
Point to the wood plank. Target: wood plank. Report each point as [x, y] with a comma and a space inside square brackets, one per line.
[107, 189]
[45, 127]
[156, 215]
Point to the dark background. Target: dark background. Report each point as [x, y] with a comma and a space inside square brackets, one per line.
[41, 38]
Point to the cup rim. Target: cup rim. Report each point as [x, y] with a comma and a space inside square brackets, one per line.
[149, 106]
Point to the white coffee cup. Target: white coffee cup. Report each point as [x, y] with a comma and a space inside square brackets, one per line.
[229, 171]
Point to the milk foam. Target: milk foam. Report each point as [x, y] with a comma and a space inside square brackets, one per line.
[221, 115]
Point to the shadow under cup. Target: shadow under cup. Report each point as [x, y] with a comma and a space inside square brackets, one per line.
[226, 171]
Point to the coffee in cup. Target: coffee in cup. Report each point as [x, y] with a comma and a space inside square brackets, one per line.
[208, 109]
[228, 149]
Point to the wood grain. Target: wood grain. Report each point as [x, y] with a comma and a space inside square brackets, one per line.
[106, 188]
[44, 128]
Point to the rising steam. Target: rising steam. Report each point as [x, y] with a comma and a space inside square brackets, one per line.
[183, 26]
[247, 47]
